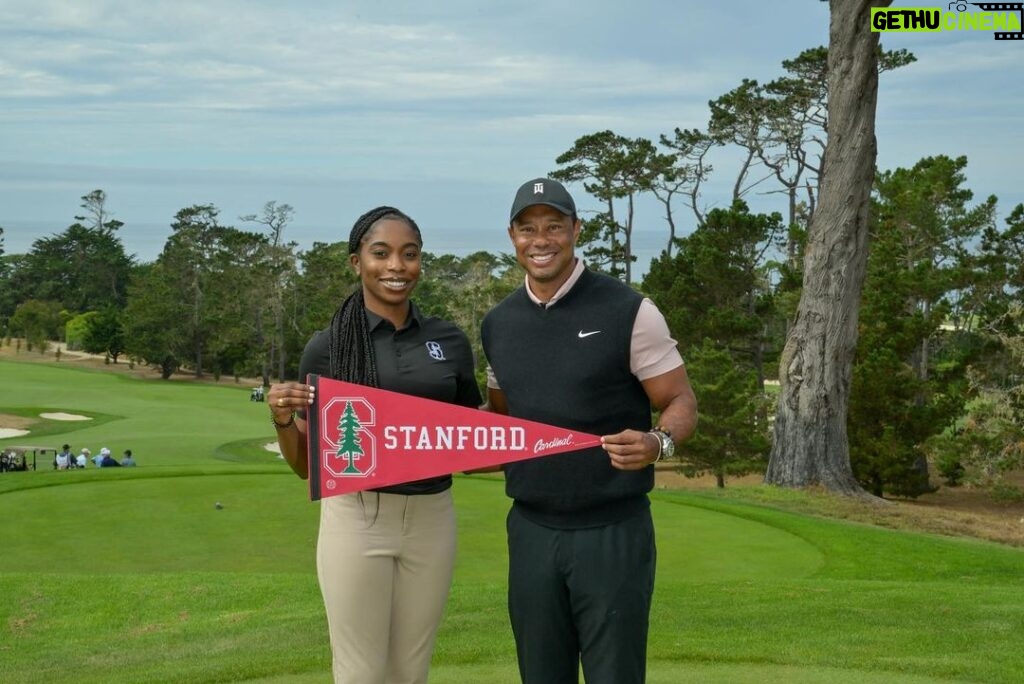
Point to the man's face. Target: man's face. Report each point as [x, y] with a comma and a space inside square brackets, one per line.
[545, 240]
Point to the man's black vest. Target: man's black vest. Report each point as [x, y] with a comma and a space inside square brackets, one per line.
[568, 365]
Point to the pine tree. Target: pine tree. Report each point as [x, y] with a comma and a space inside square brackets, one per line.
[730, 440]
[348, 431]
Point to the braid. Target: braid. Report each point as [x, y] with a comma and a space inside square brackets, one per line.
[351, 350]
[350, 347]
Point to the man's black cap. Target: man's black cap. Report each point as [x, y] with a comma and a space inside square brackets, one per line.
[543, 191]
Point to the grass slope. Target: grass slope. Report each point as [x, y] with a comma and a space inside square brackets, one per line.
[163, 423]
[134, 576]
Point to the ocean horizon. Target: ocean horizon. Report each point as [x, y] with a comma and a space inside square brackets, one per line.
[145, 241]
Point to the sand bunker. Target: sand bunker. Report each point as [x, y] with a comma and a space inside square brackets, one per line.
[6, 433]
[63, 416]
[274, 447]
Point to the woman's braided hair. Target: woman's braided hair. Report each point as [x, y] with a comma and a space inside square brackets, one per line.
[350, 347]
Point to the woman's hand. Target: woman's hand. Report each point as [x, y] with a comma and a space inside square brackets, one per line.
[285, 398]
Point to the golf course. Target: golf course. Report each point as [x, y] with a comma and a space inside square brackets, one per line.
[199, 564]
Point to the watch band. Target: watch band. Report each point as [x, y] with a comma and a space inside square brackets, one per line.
[666, 447]
[661, 445]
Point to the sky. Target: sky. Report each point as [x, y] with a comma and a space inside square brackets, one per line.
[443, 111]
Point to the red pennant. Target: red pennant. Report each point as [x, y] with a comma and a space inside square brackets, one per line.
[364, 438]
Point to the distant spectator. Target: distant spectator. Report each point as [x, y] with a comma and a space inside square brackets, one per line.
[127, 459]
[64, 459]
[98, 458]
[83, 458]
[108, 460]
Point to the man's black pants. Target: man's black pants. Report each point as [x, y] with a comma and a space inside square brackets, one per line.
[581, 596]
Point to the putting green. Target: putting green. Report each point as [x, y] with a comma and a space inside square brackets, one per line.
[695, 544]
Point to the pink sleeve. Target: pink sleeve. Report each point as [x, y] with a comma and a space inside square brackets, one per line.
[653, 351]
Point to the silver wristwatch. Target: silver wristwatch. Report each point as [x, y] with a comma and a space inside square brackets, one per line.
[666, 447]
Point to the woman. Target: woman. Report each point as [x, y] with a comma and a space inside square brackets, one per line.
[384, 557]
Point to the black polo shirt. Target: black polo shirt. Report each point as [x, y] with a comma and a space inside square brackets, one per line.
[428, 357]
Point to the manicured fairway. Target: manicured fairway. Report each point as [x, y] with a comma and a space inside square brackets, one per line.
[133, 575]
[163, 423]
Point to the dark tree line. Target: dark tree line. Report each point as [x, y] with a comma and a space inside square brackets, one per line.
[218, 300]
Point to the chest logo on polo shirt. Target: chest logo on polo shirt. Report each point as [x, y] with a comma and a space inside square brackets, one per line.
[582, 334]
[435, 350]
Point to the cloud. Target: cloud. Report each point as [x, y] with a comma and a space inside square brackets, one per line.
[189, 86]
[236, 102]
[188, 56]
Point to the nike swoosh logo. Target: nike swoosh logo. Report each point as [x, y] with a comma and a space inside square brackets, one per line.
[582, 334]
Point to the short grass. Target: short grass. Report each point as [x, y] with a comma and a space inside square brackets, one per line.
[163, 422]
[133, 575]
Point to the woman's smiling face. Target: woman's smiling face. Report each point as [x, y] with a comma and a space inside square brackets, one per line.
[388, 265]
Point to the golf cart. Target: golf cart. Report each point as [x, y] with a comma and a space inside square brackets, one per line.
[18, 458]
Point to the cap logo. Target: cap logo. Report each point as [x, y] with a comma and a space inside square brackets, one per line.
[538, 188]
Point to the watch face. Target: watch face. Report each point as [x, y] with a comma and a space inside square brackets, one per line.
[667, 445]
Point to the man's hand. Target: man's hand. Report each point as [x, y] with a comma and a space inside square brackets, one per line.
[631, 449]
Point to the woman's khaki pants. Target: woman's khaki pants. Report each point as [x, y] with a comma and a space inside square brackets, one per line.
[385, 566]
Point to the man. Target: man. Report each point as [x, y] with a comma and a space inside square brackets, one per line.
[65, 459]
[108, 461]
[127, 460]
[585, 352]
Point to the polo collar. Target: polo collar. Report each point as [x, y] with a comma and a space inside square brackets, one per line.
[414, 317]
[574, 277]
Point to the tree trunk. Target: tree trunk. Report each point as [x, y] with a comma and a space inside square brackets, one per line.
[811, 445]
[279, 331]
[628, 244]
